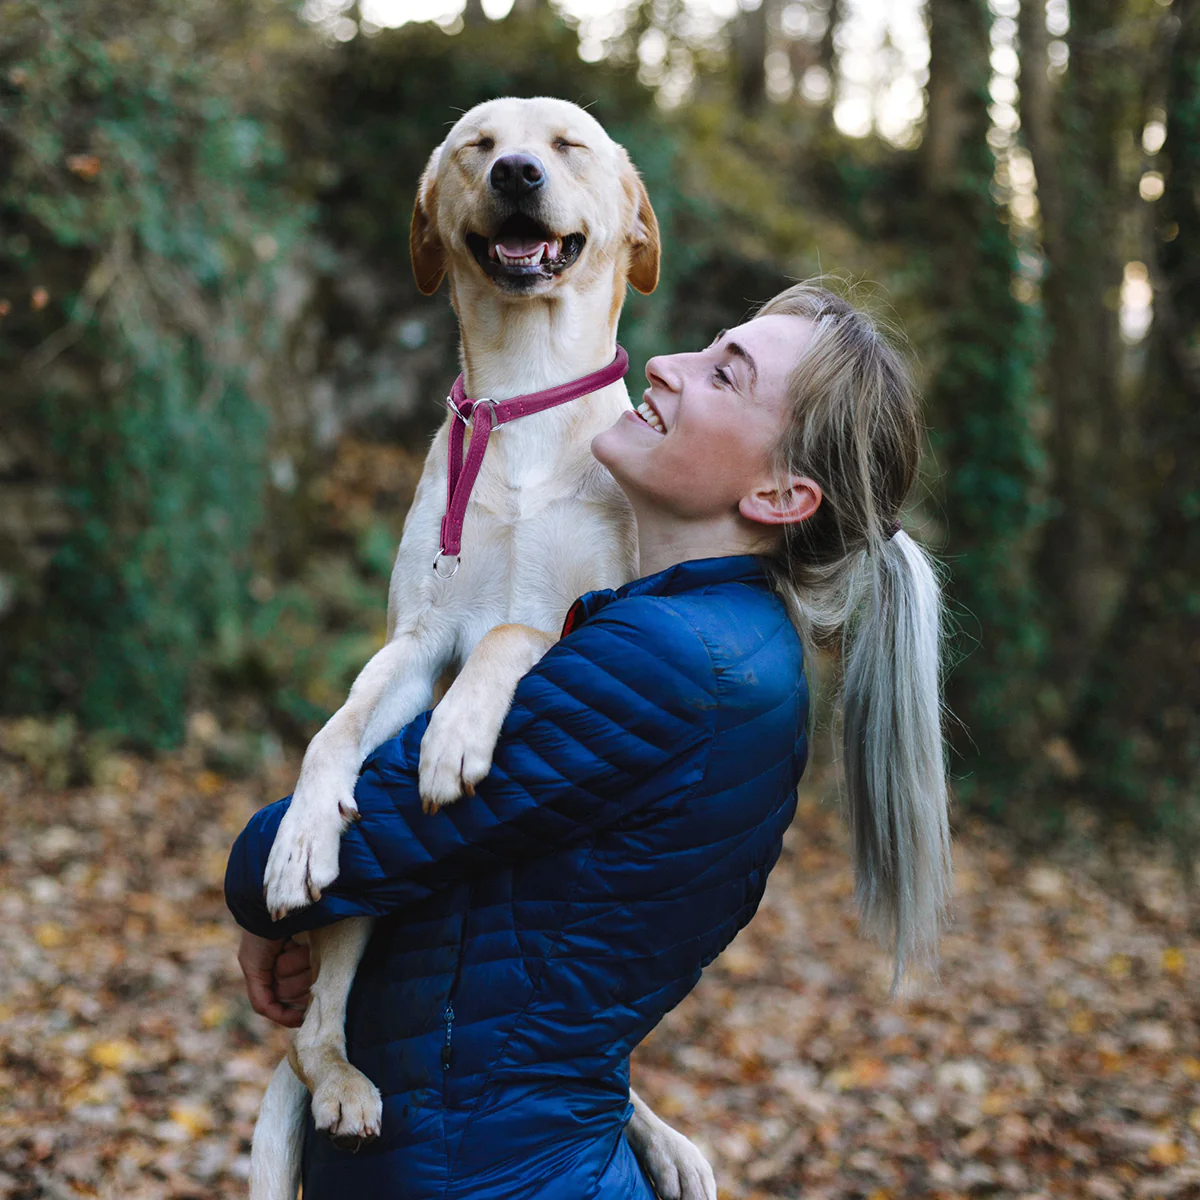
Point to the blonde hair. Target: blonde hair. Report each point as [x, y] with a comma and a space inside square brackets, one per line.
[848, 573]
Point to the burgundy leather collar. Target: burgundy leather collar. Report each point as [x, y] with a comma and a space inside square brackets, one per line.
[484, 415]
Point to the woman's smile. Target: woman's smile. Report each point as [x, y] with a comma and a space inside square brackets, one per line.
[650, 414]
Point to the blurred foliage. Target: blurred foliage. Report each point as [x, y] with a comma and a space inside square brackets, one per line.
[315, 622]
[221, 376]
[140, 205]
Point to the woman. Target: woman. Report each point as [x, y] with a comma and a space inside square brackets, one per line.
[534, 934]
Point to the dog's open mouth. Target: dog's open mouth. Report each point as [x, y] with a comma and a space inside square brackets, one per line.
[522, 251]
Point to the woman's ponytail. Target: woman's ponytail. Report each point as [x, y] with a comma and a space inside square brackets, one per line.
[855, 428]
[893, 753]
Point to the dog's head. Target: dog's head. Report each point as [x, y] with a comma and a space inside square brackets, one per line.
[529, 196]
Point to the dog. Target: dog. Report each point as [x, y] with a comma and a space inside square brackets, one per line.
[538, 221]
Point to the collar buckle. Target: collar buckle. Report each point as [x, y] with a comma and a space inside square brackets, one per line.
[469, 421]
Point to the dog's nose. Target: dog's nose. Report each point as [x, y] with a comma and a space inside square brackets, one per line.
[516, 175]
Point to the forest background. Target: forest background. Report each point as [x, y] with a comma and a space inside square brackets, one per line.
[218, 380]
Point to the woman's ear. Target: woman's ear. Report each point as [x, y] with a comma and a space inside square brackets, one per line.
[643, 237]
[795, 498]
[424, 243]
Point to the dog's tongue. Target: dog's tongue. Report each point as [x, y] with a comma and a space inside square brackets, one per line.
[518, 247]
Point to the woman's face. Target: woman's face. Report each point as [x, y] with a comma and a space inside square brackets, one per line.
[721, 411]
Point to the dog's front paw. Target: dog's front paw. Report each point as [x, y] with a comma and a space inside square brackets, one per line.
[456, 752]
[304, 859]
[347, 1106]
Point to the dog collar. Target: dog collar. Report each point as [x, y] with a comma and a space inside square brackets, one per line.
[484, 415]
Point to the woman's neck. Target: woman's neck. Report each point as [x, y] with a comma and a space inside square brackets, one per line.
[664, 540]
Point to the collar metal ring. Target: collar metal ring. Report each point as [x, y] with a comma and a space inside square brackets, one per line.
[441, 556]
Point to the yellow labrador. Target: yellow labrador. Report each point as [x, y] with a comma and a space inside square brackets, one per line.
[538, 221]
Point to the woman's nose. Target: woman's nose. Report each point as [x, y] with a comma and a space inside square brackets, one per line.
[663, 371]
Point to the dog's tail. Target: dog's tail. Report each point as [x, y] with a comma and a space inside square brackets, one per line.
[278, 1138]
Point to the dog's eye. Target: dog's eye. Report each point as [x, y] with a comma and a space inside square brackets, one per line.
[563, 145]
[486, 144]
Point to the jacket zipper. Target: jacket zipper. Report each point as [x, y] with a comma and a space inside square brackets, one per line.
[448, 1017]
[448, 1011]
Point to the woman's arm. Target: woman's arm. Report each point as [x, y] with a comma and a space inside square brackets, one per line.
[616, 716]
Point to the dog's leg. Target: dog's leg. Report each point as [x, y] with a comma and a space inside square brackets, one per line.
[345, 1103]
[278, 1138]
[456, 751]
[393, 688]
[676, 1168]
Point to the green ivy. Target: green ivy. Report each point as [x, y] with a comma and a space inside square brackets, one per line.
[139, 206]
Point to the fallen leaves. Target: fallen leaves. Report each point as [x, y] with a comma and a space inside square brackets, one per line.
[1055, 1056]
[1058, 1056]
[130, 1063]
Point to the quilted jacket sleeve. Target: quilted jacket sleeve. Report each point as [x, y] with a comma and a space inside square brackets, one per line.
[618, 715]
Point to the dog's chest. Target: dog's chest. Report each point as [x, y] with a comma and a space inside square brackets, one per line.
[521, 479]
[540, 531]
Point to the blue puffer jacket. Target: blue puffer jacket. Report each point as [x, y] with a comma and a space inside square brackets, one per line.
[533, 935]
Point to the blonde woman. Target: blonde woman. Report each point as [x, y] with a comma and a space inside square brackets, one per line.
[534, 934]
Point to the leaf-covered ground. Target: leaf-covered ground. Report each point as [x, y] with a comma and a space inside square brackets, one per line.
[1058, 1055]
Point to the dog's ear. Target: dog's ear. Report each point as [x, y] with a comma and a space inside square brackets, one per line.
[424, 243]
[644, 246]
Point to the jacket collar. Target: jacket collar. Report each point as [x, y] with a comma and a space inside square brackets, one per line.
[687, 576]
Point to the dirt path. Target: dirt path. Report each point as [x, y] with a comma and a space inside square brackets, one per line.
[1059, 1056]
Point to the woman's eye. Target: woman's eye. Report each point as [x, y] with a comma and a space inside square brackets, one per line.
[723, 375]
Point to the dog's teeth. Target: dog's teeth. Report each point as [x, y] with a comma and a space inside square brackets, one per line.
[521, 260]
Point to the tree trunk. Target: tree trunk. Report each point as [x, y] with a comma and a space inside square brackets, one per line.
[1038, 115]
[827, 59]
[827, 51]
[750, 41]
[957, 122]
[1074, 135]
[1139, 724]
[474, 14]
[979, 400]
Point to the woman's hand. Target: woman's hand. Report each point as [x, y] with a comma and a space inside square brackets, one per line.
[278, 978]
